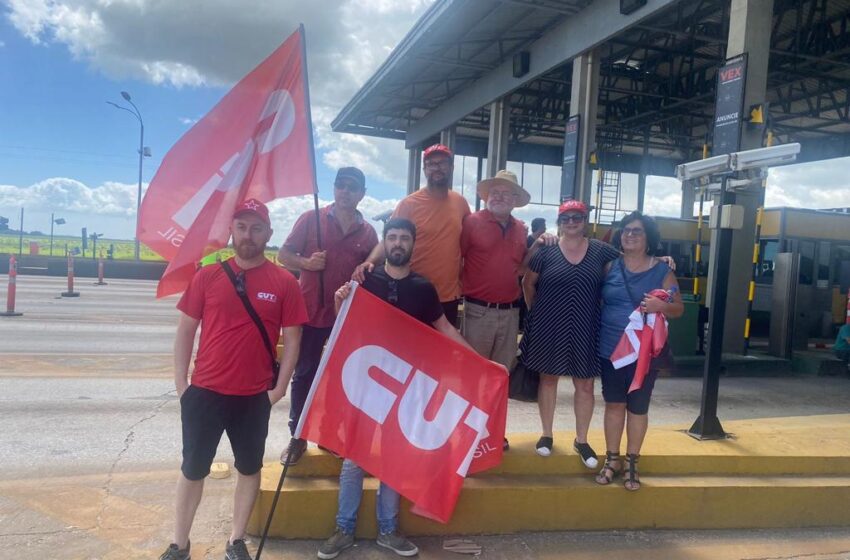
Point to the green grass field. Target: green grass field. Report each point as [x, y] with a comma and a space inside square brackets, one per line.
[9, 243]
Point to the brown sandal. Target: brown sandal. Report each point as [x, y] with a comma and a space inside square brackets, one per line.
[608, 472]
[632, 483]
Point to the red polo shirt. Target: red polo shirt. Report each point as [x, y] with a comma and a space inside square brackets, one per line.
[492, 256]
[232, 359]
[344, 252]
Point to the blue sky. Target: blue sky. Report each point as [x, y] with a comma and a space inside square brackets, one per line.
[64, 150]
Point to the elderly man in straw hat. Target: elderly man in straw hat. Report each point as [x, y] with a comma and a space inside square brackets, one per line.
[493, 245]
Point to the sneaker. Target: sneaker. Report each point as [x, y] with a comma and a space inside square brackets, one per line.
[544, 446]
[236, 550]
[397, 544]
[506, 445]
[587, 454]
[338, 542]
[293, 452]
[174, 553]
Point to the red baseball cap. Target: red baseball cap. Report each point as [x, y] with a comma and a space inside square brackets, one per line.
[253, 206]
[572, 206]
[436, 149]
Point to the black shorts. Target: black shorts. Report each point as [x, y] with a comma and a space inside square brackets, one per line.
[206, 415]
[616, 382]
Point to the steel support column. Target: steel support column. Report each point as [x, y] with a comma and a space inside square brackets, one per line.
[414, 156]
[448, 138]
[497, 141]
[749, 32]
[584, 99]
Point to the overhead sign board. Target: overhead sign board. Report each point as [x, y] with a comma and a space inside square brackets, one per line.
[729, 105]
[568, 167]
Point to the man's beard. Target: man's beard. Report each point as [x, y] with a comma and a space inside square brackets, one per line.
[248, 251]
[398, 258]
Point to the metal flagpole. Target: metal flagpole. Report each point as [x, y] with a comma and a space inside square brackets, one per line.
[321, 273]
[312, 157]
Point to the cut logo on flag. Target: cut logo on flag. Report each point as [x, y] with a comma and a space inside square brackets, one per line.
[416, 419]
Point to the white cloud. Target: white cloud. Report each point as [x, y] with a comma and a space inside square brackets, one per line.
[61, 194]
[114, 204]
[188, 120]
[216, 42]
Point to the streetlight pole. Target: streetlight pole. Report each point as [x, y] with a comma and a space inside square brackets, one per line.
[58, 222]
[136, 113]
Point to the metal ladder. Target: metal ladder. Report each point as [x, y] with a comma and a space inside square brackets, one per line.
[609, 182]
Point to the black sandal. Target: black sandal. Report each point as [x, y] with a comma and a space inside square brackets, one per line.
[608, 472]
[632, 484]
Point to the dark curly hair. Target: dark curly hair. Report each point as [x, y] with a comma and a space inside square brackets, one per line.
[653, 235]
[400, 223]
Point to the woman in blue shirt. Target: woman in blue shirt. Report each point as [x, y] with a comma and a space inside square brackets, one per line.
[627, 285]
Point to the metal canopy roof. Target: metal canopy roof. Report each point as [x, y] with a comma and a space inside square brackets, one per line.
[657, 78]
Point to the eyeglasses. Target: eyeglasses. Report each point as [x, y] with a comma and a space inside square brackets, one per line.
[240, 283]
[392, 296]
[633, 232]
[350, 187]
[571, 219]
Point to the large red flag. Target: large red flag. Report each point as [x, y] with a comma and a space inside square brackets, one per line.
[407, 404]
[256, 143]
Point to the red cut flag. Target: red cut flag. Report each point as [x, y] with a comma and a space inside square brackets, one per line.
[255, 143]
[407, 404]
[643, 339]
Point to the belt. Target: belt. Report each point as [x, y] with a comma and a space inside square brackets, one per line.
[482, 303]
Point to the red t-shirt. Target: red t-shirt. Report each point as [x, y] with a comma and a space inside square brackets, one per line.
[492, 256]
[231, 358]
[344, 252]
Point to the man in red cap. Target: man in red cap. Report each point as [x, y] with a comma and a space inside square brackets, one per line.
[347, 240]
[234, 384]
[437, 212]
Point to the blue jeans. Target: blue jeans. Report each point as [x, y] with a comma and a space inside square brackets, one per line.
[350, 492]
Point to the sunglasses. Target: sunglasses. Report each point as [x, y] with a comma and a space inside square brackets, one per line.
[350, 187]
[392, 296]
[240, 283]
[633, 232]
[571, 219]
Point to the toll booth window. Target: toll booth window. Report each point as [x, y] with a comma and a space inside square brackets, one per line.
[841, 266]
[767, 255]
[807, 262]
[823, 264]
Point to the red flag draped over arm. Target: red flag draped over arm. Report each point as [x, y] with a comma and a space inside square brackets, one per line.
[407, 404]
[255, 143]
[643, 339]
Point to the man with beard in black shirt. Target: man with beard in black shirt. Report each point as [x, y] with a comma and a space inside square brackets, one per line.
[416, 296]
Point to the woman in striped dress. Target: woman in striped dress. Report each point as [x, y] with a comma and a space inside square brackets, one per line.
[561, 291]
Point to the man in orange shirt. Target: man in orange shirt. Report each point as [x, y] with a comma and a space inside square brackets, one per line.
[437, 212]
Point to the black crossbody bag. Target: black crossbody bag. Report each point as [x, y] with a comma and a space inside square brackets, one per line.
[257, 321]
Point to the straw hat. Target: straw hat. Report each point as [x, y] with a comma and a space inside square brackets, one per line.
[508, 179]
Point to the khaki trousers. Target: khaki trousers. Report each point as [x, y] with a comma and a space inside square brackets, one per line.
[492, 332]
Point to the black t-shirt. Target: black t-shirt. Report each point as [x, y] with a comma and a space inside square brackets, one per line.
[413, 294]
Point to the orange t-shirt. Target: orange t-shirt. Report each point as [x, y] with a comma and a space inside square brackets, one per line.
[436, 254]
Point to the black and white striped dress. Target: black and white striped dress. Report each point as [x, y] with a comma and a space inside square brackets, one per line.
[562, 328]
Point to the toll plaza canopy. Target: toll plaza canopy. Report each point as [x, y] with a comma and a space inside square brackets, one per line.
[657, 68]
[608, 87]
